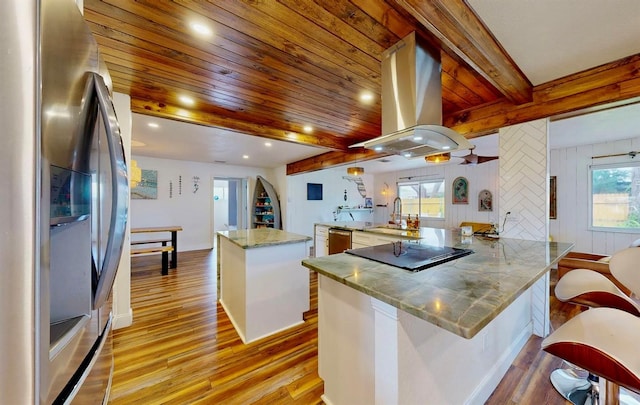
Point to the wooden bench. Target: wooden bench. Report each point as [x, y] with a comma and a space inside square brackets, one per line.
[151, 241]
[156, 249]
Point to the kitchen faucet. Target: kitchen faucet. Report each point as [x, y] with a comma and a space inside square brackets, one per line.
[397, 204]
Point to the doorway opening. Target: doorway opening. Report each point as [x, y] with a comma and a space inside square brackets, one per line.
[230, 205]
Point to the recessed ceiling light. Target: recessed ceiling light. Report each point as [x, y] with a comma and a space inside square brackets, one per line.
[245, 156]
[366, 97]
[446, 147]
[267, 144]
[407, 155]
[307, 128]
[417, 138]
[186, 100]
[378, 148]
[153, 125]
[201, 29]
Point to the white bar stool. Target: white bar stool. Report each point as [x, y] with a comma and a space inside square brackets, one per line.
[589, 288]
[603, 341]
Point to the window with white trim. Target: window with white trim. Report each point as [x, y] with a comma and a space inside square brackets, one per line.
[423, 198]
[615, 197]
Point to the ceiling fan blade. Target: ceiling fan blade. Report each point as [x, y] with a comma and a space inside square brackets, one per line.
[483, 159]
[473, 159]
[470, 159]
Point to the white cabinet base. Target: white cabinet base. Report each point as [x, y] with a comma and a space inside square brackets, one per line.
[263, 290]
[372, 353]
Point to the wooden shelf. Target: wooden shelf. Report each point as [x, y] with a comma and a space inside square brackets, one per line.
[266, 206]
[339, 210]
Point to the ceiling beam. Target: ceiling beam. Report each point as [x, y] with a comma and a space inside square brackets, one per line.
[156, 109]
[613, 84]
[331, 159]
[459, 29]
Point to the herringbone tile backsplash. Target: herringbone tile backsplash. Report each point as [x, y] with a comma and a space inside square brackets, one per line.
[524, 180]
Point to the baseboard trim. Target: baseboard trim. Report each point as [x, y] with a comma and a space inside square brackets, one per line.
[123, 320]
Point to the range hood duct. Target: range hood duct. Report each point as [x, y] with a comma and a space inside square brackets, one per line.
[412, 103]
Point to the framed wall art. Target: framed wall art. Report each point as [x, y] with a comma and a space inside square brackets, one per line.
[314, 191]
[552, 198]
[147, 188]
[460, 191]
[485, 201]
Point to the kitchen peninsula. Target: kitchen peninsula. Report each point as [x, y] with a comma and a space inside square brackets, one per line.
[446, 334]
[261, 284]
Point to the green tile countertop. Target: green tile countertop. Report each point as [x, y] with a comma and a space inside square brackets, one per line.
[461, 296]
[256, 238]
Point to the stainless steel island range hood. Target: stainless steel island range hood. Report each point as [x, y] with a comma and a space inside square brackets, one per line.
[412, 103]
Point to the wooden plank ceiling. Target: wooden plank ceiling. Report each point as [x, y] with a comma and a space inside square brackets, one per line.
[272, 67]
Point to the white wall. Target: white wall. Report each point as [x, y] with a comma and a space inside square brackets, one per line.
[192, 211]
[300, 214]
[480, 177]
[122, 313]
[571, 168]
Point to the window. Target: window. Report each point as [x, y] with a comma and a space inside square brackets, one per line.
[615, 197]
[423, 198]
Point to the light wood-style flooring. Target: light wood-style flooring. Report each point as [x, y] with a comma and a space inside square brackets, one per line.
[182, 348]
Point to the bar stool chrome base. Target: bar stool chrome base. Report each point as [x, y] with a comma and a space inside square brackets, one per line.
[580, 391]
[574, 388]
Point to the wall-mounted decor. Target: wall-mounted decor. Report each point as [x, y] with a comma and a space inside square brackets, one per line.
[460, 191]
[147, 189]
[359, 184]
[368, 202]
[552, 198]
[196, 184]
[266, 205]
[314, 191]
[485, 201]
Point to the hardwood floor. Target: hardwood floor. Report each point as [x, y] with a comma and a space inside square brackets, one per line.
[182, 348]
[527, 380]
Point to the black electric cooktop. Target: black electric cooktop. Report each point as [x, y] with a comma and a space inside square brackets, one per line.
[410, 256]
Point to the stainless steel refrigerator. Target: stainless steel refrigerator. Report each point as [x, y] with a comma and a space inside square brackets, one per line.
[63, 209]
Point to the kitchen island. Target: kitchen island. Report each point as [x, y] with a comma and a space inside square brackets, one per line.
[446, 334]
[261, 284]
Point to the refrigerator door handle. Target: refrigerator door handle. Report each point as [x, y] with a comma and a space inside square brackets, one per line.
[120, 193]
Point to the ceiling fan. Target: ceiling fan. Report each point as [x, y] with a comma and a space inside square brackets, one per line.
[473, 159]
